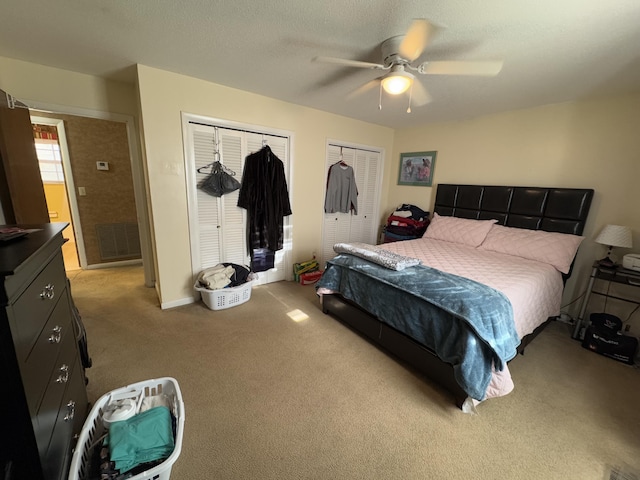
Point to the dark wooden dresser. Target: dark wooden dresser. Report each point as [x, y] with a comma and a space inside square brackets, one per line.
[43, 394]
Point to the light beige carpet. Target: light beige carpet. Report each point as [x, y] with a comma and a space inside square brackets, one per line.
[268, 396]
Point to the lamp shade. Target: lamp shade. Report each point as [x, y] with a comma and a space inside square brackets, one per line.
[615, 236]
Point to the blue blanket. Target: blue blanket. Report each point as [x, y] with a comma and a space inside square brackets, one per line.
[468, 324]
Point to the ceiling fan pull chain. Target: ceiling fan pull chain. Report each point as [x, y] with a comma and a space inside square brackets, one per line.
[380, 99]
[410, 96]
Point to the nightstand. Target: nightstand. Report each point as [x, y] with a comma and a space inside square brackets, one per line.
[615, 275]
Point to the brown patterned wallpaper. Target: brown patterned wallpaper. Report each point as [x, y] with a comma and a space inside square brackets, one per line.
[109, 195]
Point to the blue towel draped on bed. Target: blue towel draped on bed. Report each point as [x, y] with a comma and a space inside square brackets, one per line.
[468, 324]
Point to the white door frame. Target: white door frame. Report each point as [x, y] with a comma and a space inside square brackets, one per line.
[191, 182]
[139, 188]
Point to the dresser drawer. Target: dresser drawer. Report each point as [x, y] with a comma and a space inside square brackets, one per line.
[32, 309]
[48, 411]
[52, 347]
[70, 420]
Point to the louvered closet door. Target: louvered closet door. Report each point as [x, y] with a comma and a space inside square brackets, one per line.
[337, 225]
[234, 245]
[280, 147]
[220, 222]
[217, 225]
[207, 209]
[345, 227]
[364, 226]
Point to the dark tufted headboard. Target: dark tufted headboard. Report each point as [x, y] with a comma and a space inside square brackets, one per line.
[561, 210]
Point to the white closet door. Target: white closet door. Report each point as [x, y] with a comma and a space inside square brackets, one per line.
[337, 228]
[234, 244]
[337, 225]
[220, 222]
[280, 147]
[364, 225]
[346, 227]
[207, 210]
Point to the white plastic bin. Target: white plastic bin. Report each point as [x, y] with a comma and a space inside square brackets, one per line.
[225, 297]
[94, 428]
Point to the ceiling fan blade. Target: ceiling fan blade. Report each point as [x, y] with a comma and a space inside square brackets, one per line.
[487, 69]
[416, 39]
[364, 88]
[419, 94]
[348, 63]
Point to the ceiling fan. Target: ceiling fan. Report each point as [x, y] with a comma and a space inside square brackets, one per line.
[398, 55]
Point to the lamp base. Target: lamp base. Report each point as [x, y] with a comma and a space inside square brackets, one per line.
[607, 262]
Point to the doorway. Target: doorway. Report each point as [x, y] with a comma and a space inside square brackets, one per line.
[105, 188]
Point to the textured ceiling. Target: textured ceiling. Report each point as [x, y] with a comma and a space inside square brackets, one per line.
[553, 50]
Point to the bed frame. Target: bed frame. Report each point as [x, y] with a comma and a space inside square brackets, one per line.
[562, 210]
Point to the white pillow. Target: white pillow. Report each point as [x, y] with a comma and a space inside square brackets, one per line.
[557, 249]
[458, 230]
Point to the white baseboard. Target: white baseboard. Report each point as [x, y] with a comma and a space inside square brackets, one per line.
[177, 303]
[123, 263]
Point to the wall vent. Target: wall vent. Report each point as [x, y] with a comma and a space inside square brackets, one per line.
[118, 240]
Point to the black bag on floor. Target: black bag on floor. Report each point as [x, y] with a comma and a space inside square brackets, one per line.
[604, 336]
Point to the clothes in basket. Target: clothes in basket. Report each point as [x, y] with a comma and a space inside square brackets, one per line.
[145, 437]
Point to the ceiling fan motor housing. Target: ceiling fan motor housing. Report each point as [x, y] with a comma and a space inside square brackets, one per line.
[390, 49]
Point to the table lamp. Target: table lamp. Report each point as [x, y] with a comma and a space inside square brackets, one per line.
[613, 236]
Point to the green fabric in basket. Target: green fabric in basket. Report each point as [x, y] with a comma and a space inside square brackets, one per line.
[143, 438]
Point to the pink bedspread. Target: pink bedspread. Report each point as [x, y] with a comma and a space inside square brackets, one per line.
[534, 288]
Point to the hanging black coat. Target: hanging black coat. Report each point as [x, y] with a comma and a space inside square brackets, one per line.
[265, 196]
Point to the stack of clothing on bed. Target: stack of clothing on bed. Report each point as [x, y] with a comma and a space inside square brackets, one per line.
[407, 222]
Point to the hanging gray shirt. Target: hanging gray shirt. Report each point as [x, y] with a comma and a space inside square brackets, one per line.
[342, 192]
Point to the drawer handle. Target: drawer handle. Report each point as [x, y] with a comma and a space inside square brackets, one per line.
[56, 336]
[47, 292]
[65, 374]
[71, 411]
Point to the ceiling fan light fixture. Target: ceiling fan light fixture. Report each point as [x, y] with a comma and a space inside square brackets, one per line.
[397, 82]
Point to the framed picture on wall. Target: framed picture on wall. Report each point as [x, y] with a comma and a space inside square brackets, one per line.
[416, 168]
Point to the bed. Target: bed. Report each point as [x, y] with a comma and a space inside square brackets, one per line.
[489, 277]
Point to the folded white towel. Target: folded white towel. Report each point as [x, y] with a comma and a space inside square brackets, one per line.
[402, 213]
[216, 277]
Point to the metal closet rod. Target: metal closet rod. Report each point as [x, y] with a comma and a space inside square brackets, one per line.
[353, 148]
[238, 129]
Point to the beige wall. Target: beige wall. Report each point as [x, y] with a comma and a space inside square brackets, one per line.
[32, 82]
[164, 95]
[586, 144]
[58, 206]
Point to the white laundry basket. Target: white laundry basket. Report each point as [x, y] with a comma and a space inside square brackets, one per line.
[220, 298]
[225, 297]
[94, 428]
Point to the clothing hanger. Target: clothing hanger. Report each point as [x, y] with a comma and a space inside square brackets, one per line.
[216, 154]
[265, 144]
[266, 148]
[341, 161]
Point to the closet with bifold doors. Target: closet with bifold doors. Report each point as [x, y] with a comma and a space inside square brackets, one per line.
[217, 226]
[339, 226]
